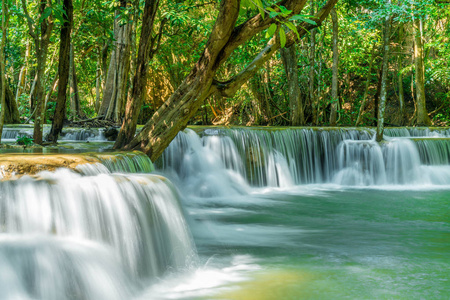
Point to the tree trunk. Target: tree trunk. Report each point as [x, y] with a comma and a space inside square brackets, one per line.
[98, 83]
[312, 65]
[260, 103]
[12, 115]
[75, 102]
[289, 58]
[21, 83]
[366, 88]
[63, 72]
[384, 74]
[401, 92]
[145, 52]
[41, 40]
[422, 113]
[334, 80]
[115, 92]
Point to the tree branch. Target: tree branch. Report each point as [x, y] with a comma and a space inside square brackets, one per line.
[30, 20]
[229, 87]
[256, 24]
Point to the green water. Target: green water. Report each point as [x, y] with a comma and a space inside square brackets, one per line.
[322, 242]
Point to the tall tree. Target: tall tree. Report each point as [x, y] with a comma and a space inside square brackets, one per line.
[312, 65]
[334, 80]
[289, 57]
[422, 113]
[145, 51]
[40, 31]
[115, 91]
[225, 37]
[63, 71]
[384, 74]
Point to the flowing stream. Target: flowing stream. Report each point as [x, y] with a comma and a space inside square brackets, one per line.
[237, 214]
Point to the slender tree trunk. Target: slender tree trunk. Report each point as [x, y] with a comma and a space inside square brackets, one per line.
[334, 80]
[3, 71]
[21, 83]
[401, 92]
[289, 58]
[312, 65]
[115, 92]
[422, 113]
[145, 52]
[75, 102]
[366, 87]
[261, 105]
[384, 74]
[63, 72]
[98, 83]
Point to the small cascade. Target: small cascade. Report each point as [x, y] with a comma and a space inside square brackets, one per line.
[10, 134]
[434, 151]
[91, 134]
[130, 162]
[202, 171]
[360, 163]
[417, 132]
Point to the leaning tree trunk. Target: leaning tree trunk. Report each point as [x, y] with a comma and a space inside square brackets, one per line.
[289, 58]
[384, 74]
[175, 113]
[422, 113]
[63, 72]
[334, 80]
[115, 91]
[145, 51]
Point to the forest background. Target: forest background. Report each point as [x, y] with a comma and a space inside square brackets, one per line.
[351, 61]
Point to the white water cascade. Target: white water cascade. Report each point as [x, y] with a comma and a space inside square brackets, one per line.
[288, 157]
[102, 236]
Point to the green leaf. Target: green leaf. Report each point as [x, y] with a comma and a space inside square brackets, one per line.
[260, 7]
[302, 18]
[282, 37]
[271, 30]
[45, 14]
[293, 28]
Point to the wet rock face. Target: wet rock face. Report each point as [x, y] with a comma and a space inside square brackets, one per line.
[111, 133]
[30, 164]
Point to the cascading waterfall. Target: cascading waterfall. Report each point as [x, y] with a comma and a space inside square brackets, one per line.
[287, 157]
[94, 236]
[71, 134]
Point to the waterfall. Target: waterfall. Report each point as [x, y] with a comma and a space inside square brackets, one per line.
[257, 157]
[95, 235]
[68, 134]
